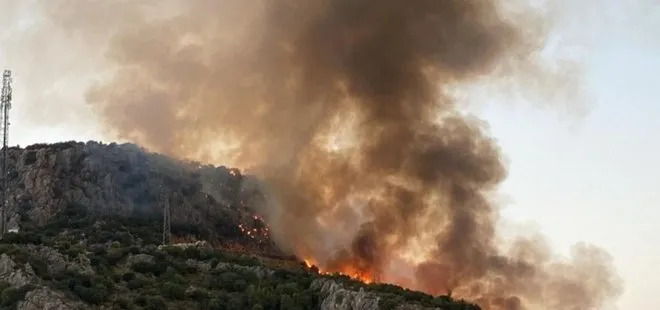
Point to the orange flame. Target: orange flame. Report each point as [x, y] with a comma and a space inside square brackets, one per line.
[346, 270]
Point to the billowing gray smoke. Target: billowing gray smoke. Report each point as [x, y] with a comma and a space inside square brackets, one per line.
[345, 108]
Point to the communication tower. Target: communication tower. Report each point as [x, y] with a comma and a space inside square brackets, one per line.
[167, 231]
[5, 106]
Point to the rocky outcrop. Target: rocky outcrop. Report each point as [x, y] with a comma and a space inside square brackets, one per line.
[139, 258]
[38, 296]
[336, 297]
[14, 274]
[58, 262]
[259, 271]
[47, 299]
[123, 179]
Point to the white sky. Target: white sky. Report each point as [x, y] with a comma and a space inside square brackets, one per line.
[592, 179]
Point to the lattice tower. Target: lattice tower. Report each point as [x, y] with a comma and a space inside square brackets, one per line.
[5, 106]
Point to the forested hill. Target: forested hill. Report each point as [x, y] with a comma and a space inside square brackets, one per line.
[89, 217]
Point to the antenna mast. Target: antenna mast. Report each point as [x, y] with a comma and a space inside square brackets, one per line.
[167, 231]
[5, 106]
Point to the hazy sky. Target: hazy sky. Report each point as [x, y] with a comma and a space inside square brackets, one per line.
[589, 178]
[596, 178]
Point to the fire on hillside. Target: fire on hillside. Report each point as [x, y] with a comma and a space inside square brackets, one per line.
[347, 270]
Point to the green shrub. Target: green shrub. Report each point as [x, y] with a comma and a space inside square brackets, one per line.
[93, 295]
[198, 295]
[173, 291]
[10, 296]
[137, 283]
[191, 252]
[39, 266]
[124, 303]
[114, 256]
[128, 276]
[145, 267]
[21, 238]
[4, 285]
[151, 302]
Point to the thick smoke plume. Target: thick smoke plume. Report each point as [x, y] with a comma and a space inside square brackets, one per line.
[346, 110]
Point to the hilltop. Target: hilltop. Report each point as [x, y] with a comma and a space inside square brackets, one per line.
[124, 180]
[89, 221]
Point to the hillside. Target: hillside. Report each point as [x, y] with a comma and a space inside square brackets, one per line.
[89, 220]
[124, 180]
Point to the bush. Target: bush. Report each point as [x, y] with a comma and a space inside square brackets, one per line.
[124, 303]
[217, 304]
[10, 296]
[21, 238]
[146, 267]
[4, 285]
[173, 251]
[138, 282]
[39, 266]
[114, 256]
[93, 295]
[199, 295]
[173, 291]
[191, 252]
[151, 302]
[74, 251]
[128, 276]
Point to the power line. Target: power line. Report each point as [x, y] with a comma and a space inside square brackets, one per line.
[5, 106]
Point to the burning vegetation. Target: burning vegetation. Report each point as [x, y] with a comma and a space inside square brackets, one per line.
[257, 230]
[347, 270]
[346, 112]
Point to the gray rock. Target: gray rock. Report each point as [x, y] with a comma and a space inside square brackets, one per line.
[11, 273]
[82, 265]
[336, 297]
[55, 260]
[7, 265]
[47, 299]
[139, 258]
[200, 266]
[58, 262]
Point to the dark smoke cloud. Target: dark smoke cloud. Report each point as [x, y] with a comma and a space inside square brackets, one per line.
[268, 85]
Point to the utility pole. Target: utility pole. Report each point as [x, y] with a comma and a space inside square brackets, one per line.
[5, 106]
[167, 230]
